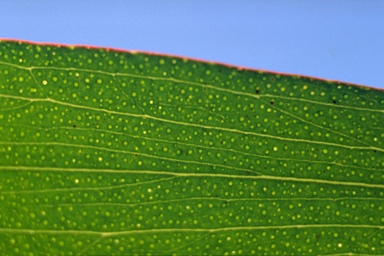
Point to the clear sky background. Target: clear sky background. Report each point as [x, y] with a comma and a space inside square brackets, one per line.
[331, 39]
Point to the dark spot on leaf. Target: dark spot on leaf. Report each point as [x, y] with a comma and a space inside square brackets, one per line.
[271, 102]
[334, 102]
[74, 126]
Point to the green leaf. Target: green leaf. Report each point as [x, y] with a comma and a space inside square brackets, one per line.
[109, 152]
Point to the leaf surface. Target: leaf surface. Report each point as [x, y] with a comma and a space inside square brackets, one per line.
[110, 152]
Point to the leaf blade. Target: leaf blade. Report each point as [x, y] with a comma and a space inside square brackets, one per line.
[114, 152]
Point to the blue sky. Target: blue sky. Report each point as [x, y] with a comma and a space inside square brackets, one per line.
[332, 39]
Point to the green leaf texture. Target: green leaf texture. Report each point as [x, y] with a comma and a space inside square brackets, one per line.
[106, 152]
